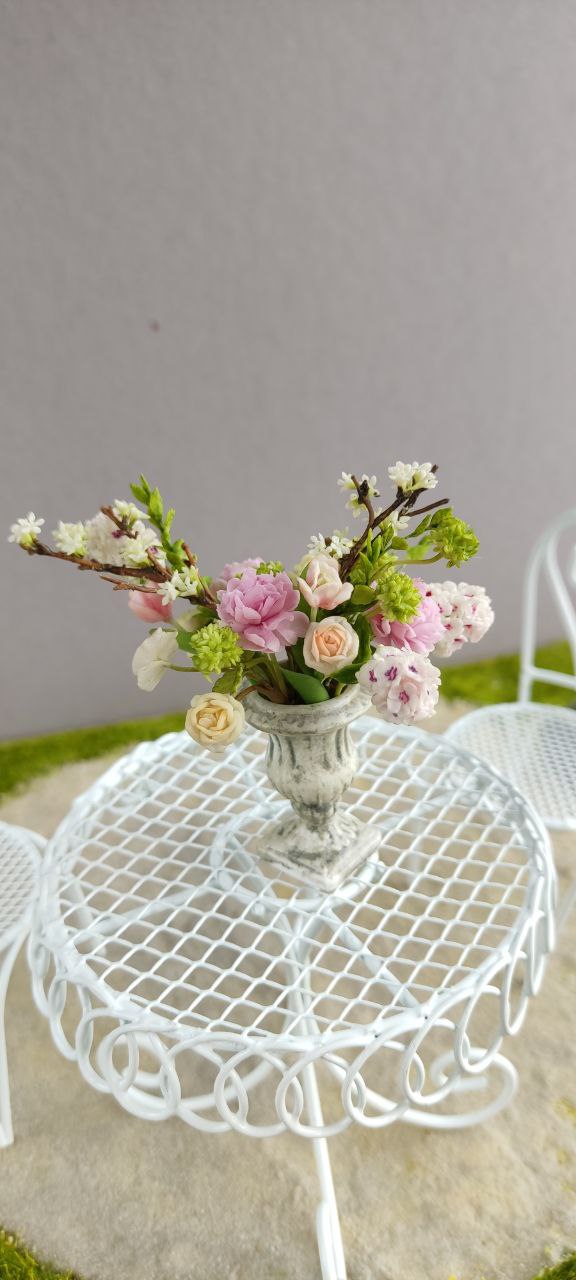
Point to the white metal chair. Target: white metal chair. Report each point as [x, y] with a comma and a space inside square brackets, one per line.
[534, 744]
[19, 865]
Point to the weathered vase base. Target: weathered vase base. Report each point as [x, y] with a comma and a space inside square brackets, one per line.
[323, 861]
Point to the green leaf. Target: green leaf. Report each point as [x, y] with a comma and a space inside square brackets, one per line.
[309, 688]
[156, 506]
[422, 527]
[230, 680]
[399, 544]
[169, 518]
[184, 639]
[363, 595]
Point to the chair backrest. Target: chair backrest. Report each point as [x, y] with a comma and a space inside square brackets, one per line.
[544, 566]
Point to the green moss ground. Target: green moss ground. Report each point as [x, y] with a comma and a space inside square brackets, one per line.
[492, 680]
[16, 1263]
[26, 758]
[496, 679]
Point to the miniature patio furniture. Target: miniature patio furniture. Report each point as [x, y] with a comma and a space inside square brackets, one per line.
[19, 865]
[186, 977]
[534, 744]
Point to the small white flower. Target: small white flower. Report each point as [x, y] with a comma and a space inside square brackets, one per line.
[336, 545]
[408, 476]
[152, 657]
[134, 550]
[347, 485]
[70, 538]
[182, 583]
[26, 529]
[397, 521]
[126, 511]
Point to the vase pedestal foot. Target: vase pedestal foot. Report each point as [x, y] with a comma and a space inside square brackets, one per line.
[324, 859]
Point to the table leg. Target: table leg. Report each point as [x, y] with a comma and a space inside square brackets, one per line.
[328, 1233]
[6, 965]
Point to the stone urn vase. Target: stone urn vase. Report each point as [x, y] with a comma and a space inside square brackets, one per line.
[311, 759]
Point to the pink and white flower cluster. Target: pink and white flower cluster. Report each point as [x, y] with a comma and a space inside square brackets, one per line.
[404, 686]
[466, 613]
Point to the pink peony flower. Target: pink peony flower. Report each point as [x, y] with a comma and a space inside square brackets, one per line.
[235, 570]
[421, 634]
[147, 606]
[262, 610]
[466, 614]
[404, 685]
[322, 586]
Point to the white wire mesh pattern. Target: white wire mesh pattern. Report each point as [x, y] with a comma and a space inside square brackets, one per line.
[18, 875]
[187, 977]
[533, 745]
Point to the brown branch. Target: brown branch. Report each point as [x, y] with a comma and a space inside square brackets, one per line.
[420, 511]
[96, 566]
[403, 500]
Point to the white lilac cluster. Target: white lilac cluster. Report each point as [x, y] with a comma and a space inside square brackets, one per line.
[404, 686]
[185, 582]
[409, 476]
[336, 545]
[466, 613]
[26, 530]
[108, 544]
[348, 485]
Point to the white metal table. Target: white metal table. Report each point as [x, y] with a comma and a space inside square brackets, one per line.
[188, 978]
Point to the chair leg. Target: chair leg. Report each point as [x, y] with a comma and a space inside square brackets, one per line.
[6, 965]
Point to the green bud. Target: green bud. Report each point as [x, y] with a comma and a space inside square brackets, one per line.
[270, 566]
[452, 538]
[398, 598]
[215, 648]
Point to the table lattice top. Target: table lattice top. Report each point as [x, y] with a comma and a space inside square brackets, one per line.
[153, 901]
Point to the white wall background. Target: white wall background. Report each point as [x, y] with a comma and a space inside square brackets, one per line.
[247, 243]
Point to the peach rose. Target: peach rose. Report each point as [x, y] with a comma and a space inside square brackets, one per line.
[330, 645]
[322, 586]
[215, 720]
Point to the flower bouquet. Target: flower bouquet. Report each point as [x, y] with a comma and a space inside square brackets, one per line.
[298, 653]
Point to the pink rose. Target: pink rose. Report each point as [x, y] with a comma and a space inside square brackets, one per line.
[322, 586]
[262, 610]
[404, 685]
[147, 606]
[421, 634]
[330, 645]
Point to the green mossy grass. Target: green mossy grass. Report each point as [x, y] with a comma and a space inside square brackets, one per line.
[565, 1270]
[17, 1263]
[496, 679]
[26, 758]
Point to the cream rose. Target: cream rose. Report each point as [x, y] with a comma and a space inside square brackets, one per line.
[215, 720]
[330, 645]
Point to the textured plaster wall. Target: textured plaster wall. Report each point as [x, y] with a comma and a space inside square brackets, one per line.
[246, 243]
